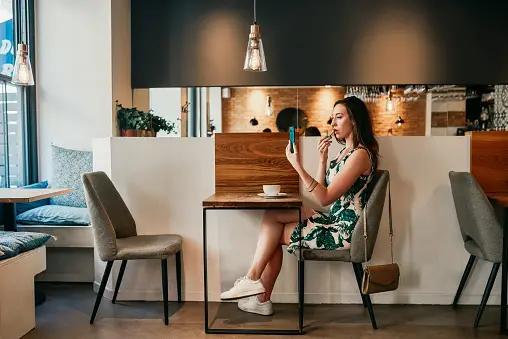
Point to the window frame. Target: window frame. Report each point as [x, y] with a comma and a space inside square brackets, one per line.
[25, 9]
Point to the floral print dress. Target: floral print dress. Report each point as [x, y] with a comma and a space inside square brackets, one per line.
[333, 230]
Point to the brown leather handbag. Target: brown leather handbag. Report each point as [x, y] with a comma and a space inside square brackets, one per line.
[380, 278]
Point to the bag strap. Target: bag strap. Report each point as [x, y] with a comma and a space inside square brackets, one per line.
[389, 222]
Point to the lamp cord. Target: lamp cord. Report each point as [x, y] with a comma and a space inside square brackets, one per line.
[255, 11]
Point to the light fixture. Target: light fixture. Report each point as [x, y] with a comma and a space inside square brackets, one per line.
[389, 104]
[269, 107]
[255, 56]
[389, 101]
[22, 73]
[399, 121]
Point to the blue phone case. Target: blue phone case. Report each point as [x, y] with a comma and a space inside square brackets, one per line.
[292, 138]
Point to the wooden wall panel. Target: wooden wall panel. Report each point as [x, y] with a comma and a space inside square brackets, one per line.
[246, 161]
[489, 160]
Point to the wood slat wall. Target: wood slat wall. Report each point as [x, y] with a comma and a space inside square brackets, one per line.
[489, 160]
[244, 162]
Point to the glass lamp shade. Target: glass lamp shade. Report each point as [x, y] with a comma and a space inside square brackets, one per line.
[269, 107]
[22, 73]
[255, 55]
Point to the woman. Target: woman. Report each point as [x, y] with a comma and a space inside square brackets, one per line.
[342, 185]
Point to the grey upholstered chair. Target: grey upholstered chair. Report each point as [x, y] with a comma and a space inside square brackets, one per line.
[481, 232]
[356, 253]
[116, 238]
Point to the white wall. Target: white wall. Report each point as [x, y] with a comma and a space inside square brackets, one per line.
[83, 66]
[74, 75]
[166, 103]
[165, 191]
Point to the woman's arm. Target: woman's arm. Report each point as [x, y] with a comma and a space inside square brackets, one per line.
[321, 173]
[323, 145]
[358, 162]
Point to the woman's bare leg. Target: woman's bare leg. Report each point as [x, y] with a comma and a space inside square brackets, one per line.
[269, 239]
[272, 269]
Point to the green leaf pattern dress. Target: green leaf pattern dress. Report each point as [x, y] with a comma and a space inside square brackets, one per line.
[332, 230]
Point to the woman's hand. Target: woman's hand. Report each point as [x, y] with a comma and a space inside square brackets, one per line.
[293, 158]
[323, 145]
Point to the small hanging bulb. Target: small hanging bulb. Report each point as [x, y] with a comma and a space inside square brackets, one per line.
[22, 73]
[399, 121]
[269, 107]
[389, 103]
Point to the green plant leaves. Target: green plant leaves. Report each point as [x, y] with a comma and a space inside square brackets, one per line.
[132, 118]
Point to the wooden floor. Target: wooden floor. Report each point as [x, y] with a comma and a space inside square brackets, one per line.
[66, 313]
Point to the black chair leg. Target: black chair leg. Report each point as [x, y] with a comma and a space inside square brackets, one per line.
[486, 294]
[463, 281]
[164, 266]
[358, 276]
[119, 280]
[178, 259]
[359, 268]
[105, 278]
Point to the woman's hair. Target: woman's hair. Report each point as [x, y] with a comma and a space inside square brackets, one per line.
[362, 125]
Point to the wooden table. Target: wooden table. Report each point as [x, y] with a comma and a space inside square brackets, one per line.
[10, 196]
[502, 199]
[251, 201]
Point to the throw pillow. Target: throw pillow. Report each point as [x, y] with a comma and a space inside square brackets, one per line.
[68, 166]
[25, 206]
[23, 241]
[55, 215]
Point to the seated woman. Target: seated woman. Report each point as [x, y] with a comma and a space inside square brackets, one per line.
[343, 186]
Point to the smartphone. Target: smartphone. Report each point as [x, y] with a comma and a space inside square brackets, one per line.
[292, 138]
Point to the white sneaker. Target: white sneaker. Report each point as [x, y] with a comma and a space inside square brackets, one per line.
[253, 305]
[243, 287]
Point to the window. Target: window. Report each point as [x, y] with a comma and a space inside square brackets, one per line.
[14, 138]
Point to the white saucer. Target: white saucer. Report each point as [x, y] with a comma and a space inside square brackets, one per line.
[280, 195]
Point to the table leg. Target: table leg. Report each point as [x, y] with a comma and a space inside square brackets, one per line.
[301, 279]
[504, 278]
[205, 275]
[10, 217]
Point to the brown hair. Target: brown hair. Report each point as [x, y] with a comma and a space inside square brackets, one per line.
[363, 132]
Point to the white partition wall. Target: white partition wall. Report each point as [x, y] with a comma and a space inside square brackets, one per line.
[164, 180]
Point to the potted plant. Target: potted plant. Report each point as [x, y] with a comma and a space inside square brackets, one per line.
[127, 120]
[134, 122]
[161, 124]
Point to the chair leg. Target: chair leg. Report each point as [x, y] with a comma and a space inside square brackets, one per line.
[178, 259]
[358, 276]
[105, 278]
[164, 266]
[463, 281]
[119, 280]
[359, 268]
[486, 294]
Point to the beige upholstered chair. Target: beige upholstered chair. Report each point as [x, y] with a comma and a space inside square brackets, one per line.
[356, 253]
[116, 238]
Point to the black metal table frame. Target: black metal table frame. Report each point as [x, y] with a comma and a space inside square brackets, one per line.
[300, 279]
[504, 272]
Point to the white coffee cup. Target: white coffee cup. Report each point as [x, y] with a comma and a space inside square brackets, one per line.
[271, 189]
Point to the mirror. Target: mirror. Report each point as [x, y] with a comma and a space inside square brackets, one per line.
[396, 110]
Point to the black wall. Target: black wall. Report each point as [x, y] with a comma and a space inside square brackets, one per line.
[178, 43]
